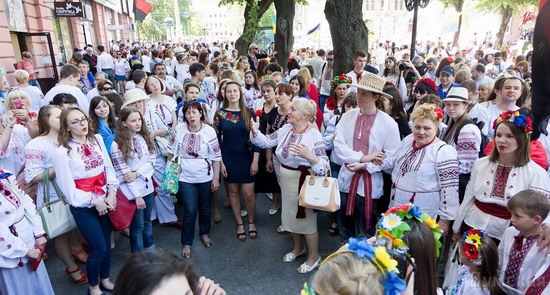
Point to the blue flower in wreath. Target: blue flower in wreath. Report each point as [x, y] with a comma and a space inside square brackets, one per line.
[520, 120]
[393, 284]
[361, 247]
[415, 211]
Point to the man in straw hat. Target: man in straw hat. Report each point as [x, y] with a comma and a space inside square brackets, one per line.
[366, 141]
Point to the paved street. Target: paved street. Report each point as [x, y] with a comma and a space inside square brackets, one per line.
[250, 267]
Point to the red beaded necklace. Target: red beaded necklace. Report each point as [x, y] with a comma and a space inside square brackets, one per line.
[422, 146]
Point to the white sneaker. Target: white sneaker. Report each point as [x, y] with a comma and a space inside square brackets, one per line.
[244, 213]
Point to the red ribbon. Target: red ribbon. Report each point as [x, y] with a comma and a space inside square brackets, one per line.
[494, 210]
[93, 184]
[352, 195]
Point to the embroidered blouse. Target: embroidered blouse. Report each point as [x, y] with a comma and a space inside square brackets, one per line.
[427, 177]
[140, 160]
[17, 211]
[467, 147]
[492, 183]
[12, 158]
[466, 284]
[197, 151]
[39, 154]
[83, 161]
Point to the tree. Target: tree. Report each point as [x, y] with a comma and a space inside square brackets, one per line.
[458, 5]
[348, 30]
[505, 8]
[284, 34]
[153, 26]
[187, 23]
[253, 11]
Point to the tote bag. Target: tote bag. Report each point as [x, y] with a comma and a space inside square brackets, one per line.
[57, 218]
[320, 192]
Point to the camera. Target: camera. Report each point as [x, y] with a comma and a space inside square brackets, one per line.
[401, 256]
[402, 66]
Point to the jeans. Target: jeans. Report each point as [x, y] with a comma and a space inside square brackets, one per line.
[96, 230]
[322, 99]
[196, 197]
[110, 74]
[355, 226]
[141, 228]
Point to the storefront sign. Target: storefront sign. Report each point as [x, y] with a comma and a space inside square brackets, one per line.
[68, 9]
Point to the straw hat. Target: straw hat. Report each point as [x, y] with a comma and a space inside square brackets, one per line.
[372, 83]
[134, 95]
[459, 94]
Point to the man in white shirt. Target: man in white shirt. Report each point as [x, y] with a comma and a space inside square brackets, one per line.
[499, 66]
[318, 63]
[431, 67]
[99, 76]
[478, 75]
[69, 82]
[146, 61]
[380, 55]
[138, 80]
[172, 86]
[105, 63]
[325, 78]
[359, 61]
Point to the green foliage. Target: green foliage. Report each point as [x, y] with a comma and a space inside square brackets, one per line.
[189, 24]
[500, 5]
[457, 4]
[161, 9]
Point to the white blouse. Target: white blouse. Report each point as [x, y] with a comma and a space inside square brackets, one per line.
[466, 284]
[426, 177]
[197, 153]
[19, 211]
[39, 154]
[487, 186]
[384, 136]
[164, 109]
[283, 137]
[140, 160]
[12, 158]
[83, 161]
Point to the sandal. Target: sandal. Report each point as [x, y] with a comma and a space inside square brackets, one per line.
[185, 254]
[241, 235]
[252, 233]
[304, 268]
[280, 230]
[80, 256]
[333, 231]
[83, 277]
[206, 241]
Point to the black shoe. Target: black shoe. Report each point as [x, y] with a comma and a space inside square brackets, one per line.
[103, 288]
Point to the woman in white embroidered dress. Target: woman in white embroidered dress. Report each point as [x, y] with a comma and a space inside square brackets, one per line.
[86, 177]
[38, 158]
[499, 176]
[196, 144]
[21, 238]
[299, 148]
[426, 169]
[334, 103]
[462, 133]
[133, 155]
[366, 142]
[161, 119]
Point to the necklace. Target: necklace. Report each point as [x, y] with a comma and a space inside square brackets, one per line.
[300, 132]
[416, 148]
[200, 127]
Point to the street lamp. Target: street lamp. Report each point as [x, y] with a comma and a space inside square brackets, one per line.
[413, 5]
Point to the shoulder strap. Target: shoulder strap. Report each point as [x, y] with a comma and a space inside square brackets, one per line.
[464, 123]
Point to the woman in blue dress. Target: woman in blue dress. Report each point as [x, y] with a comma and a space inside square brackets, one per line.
[239, 157]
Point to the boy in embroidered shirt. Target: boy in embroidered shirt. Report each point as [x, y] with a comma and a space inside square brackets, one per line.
[519, 257]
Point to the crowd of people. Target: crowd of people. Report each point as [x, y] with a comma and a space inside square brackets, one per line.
[428, 152]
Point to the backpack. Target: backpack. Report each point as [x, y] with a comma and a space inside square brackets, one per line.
[484, 138]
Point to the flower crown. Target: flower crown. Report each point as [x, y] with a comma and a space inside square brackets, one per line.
[392, 225]
[342, 78]
[518, 119]
[378, 255]
[471, 241]
[439, 112]
[429, 82]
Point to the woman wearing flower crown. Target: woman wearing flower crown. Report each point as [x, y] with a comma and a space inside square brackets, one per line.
[333, 103]
[426, 169]
[497, 177]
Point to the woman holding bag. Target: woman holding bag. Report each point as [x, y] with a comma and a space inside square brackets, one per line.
[133, 156]
[300, 147]
[39, 158]
[86, 177]
[196, 144]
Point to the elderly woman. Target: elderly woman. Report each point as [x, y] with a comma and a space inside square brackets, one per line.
[22, 238]
[499, 176]
[299, 148]
[426, 170]
[35, 94]
[366, 142]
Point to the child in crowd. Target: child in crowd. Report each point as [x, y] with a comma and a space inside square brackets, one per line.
[478, 274]
[519, 257]
[251, 89]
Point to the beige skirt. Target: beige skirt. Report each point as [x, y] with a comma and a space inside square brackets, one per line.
[289, 195]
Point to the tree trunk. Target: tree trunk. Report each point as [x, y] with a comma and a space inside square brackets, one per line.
[348, 30]
[458, 8]
[251, 21]
[284, 35]
[506, 15]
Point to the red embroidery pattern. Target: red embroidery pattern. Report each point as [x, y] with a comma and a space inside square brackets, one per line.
[511, 274]
[292, 138]
[34, 155]
[499, 182]
[191, 143]
[361, 133]
[91, 161]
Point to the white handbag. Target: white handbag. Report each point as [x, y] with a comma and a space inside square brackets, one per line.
[57, 218]
[451, 268]
[320, 192]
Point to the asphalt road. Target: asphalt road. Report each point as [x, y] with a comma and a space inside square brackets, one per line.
[249, 267]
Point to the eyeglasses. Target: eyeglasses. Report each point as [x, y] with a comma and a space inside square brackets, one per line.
[79, 122]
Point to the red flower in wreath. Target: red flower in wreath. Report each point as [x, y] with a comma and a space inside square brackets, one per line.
[404, 207]
[259, 113]
[331, 103]
[439, 113]
[470, 251]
